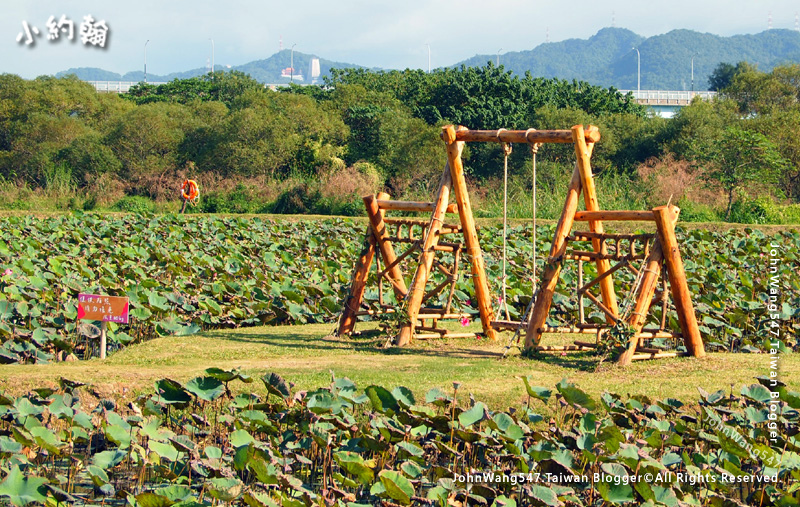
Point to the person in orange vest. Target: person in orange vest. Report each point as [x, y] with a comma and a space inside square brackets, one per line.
[190, 192]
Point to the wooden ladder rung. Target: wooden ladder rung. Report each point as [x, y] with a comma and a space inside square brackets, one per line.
[389, 204]
[443, 316]
[448, 335]
[431, 330]
[442, 246]
[421, 223]
[660, 355]
[560, 348]
[507, 325]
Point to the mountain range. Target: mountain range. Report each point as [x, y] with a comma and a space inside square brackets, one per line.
[677, 60]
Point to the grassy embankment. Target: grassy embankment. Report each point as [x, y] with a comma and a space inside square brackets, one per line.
[306, 356]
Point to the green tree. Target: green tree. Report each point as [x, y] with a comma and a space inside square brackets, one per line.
[722, 75]
[146, 141]
[760, 93]
[219, 86]
[273, 134]
[738, 159]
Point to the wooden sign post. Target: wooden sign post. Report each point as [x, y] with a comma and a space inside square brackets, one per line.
[105, 309]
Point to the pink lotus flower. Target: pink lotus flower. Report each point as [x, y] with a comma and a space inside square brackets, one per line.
[7, 272]
[465, 321]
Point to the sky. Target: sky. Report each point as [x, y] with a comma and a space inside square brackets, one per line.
[390, 35]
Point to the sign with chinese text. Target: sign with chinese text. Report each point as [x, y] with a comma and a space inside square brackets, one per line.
[103, 308]
[92, 32]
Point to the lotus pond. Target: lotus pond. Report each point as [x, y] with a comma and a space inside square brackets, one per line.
[196, 443]
[184, 274]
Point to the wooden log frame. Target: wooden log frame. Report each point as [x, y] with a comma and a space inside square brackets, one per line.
[664, 249]
[461, 194]
[384, 245]
[386, 204]
[416, 294]
[590, 200]
[530, 136]
[354, 299]
[643, 299]
[381, 240]
[547, 289]
[666, 217]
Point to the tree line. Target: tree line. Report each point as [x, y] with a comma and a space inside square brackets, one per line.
[316, 148]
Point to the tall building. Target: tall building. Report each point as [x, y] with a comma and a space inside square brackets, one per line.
[313, 70]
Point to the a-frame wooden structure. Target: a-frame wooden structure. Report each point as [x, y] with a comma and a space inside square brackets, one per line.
[664, 249]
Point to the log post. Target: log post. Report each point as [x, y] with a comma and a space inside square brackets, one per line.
[666, 217]
[590, 199]
[552, 267]
[360, 275]
[482, 293]
[420, 280]
[643, 298]
[384, 245]
[103, 339]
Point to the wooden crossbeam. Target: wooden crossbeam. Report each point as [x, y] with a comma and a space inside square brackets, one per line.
[397, 261]
[387, 204]
[660, 355]
[437, 330]
[445, 228]
[588, 236]
[448, 335]
[614, 216]
[609, 314]
[443, 246]
[523, 136]
[595, 281]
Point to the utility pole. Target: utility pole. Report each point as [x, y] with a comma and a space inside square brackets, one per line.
[145, 60]
[429, 58]
[291, 65]
[212, 55]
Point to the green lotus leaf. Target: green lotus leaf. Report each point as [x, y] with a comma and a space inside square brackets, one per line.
[397, 486]
[382, 400]
[22, 489]
[276, 385]
[206, 388]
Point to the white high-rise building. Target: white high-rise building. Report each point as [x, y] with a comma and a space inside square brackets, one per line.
[313, 70]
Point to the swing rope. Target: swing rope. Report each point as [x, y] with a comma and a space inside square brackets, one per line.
[507, 148]
[534, 149]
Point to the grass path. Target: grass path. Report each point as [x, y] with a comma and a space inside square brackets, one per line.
[305, 356]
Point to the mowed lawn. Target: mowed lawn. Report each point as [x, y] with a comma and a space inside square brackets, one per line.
[308, 356]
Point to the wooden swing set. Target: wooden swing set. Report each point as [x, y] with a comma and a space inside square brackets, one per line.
[441, 246]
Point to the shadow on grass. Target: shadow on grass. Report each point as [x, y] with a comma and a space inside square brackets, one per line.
[373, 341]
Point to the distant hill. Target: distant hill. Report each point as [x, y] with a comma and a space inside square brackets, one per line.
[608, 59]
[268, 70]
[589, 60]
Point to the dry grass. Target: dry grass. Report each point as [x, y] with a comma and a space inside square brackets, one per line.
[666, 178]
